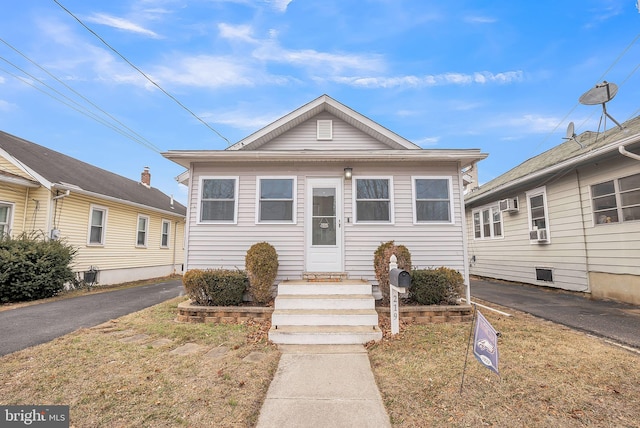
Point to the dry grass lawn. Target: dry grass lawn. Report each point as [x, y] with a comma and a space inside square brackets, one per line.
[551, 376]
[108, 383]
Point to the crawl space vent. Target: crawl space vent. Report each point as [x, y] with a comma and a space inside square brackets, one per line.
[544, 274]
[325, 129]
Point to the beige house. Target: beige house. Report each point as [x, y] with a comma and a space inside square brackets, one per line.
[123, 229]
[568, 218]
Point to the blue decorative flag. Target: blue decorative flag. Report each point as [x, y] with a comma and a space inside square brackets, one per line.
[485, 343]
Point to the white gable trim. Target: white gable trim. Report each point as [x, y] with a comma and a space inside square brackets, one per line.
[320, 104]
[16, 162]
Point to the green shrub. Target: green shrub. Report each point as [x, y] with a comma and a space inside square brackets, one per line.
[381, 264]
[261, 262]
[441, 286]
[33, 267]
[215, 287]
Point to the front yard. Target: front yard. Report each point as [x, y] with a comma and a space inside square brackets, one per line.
[125, 373]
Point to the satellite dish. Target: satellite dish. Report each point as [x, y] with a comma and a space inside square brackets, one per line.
[571, 134]
[602, 93]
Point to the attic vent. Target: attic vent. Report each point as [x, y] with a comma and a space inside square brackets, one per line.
[325, 130]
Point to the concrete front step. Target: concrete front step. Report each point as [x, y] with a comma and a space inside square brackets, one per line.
[324, 317]
[324, 335]
[325, 301]
[302, 287]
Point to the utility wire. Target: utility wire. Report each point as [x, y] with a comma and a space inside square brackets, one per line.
[145, 142]
[142, 73]
[79, 110]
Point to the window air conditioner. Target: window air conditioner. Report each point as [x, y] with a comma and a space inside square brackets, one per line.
[539, 235]
[509, 205]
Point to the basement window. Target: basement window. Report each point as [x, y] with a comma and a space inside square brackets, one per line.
[544, 274]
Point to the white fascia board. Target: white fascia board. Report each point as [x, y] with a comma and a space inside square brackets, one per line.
[20, 181]
[465, 157]
[22, 167]
[75, 189]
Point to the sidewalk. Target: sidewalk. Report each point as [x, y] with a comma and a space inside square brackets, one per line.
[323, 386]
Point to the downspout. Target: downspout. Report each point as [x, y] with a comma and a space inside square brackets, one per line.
[584, 233]
[24, 214]
[463, 220]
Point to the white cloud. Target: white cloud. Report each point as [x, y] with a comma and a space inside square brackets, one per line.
[432, 80]
[236, 32]
[5, 106]
[479, 19]
[280, 5]
[427, 141]
[121, 24]
[241, 119]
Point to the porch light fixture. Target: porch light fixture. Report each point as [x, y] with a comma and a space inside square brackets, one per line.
[348, 173]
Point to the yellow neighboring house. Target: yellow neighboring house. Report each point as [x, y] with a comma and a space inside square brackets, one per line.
[123, 229]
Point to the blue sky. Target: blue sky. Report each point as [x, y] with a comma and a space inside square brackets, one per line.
[502, 76]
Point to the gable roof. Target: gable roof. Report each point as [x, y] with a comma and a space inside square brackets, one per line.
[55, 170]
[315, 107]
[399, 148]
[558, 161]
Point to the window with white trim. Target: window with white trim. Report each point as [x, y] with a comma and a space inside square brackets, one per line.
[537, 210]
[164, 233]
[373, 200]
[6, 210]
[97, 225]
[276, 199]
[218, 202]
[487, 223]
[616, 201]
[141, 232]
[432, 200]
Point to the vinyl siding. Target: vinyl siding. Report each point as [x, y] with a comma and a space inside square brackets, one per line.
[612, 248]
[225, 245]
[5, 165]
[345, 136]
[515, 258]
[119, 250]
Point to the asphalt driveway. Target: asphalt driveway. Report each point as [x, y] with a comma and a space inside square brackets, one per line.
[618, 322]
[32, 325]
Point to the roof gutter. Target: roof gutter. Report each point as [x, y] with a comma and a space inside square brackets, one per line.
[80, 191]
[623, 151]
[559, 166]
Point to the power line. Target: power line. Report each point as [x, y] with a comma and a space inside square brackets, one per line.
[142, 73]
[141, 140]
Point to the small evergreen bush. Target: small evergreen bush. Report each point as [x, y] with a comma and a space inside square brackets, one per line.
[33, 267]
[215, 287]
[441, 286]
[381, 264]
[261, 262]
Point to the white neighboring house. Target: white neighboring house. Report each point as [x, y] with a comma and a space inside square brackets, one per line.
[325, 186]
[568, 218]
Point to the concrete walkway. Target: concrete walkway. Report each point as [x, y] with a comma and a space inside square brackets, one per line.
[320, 386]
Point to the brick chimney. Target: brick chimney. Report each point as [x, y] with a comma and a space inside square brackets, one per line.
[145, 177]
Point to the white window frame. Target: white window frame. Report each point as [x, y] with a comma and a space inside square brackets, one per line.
[294, 199]
[235, 205]
[103, 236]
[162, 234]
[618, 197]
[532, 194]
[9, 222]
[491, 209]
[146, 230]
[414, 189]
[355, 199]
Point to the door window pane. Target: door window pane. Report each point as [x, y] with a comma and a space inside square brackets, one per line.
[324, 217]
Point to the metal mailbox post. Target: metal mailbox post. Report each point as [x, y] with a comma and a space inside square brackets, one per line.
[399, 282]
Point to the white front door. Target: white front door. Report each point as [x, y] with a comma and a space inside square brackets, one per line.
[323, 222]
